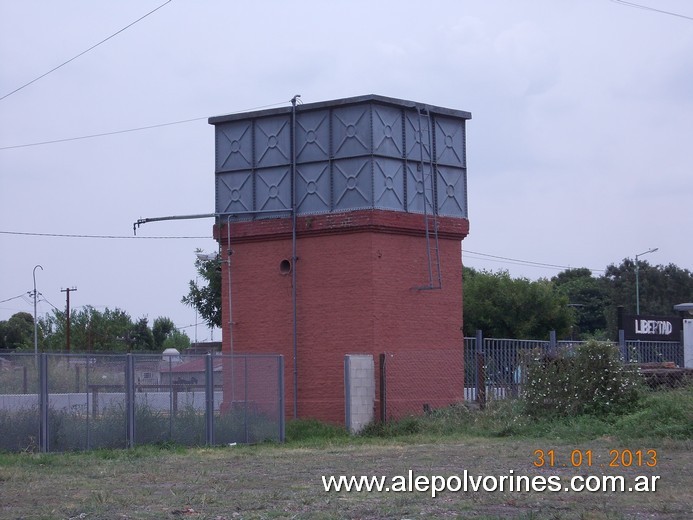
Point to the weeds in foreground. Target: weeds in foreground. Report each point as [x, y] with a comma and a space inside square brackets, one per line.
[658, 415]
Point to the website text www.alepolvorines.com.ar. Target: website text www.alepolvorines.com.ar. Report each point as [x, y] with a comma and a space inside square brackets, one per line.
[511, 482]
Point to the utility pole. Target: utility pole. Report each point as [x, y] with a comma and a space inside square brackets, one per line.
[35, 295]
[67, 312]
[637, 278]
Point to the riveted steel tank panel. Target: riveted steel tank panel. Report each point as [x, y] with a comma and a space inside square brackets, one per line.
[388, 184]
[272, 142]
[313, 136]
[416, 190]
[234, 192]
[273, 189]
[387, 131]
[313, 192]
[451, 191]
[450, 142]
[351, 131]
[415, 132]
[352, 184]
[234, 146]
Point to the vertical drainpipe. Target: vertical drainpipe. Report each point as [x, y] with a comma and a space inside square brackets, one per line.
[293, 246]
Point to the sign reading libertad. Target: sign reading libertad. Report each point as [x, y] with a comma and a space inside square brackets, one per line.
[652, 328]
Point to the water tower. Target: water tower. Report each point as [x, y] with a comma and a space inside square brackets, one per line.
[344, 220]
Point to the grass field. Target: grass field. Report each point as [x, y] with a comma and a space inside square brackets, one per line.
[284, 481]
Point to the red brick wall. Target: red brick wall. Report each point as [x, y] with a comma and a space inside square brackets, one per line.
[358, 275]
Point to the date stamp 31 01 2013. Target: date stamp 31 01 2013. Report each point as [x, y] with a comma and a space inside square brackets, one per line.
[617, 458]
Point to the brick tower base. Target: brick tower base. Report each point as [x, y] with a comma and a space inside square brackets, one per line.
[362, 282]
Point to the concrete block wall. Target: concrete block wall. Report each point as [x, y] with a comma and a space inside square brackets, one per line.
[359, 399]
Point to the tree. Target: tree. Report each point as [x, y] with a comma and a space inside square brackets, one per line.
[96, 331]
[505, 307]
[660, 287]
[205, 297]
[588, 297]
[140, 337]
[17, 332]
[162, 328]
[177, 339]
[90, 329]
[107, 331]
[166, 335]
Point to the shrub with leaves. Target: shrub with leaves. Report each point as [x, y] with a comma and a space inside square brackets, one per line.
[587, 380]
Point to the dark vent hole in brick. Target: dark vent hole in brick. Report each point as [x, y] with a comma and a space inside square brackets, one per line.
[285, 267]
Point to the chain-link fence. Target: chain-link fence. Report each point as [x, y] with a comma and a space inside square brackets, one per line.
[61, 402]
[414, 382]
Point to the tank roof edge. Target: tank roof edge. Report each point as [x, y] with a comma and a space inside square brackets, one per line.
[383, 100]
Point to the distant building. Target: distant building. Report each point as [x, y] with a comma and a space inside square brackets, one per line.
[207, 347]
[190, 372]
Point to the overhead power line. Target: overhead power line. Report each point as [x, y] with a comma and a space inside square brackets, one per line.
[467, 252]
[136, 129]
[647, 8]
[103, 134]
[13, 298]
[44, 299]
[485, 256]
[84, 52]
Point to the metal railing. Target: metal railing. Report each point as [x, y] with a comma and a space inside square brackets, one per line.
[653, 352]
[493, 367]
[62, 402]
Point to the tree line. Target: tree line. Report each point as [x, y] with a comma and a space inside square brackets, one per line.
[574, 303]
[111, 330]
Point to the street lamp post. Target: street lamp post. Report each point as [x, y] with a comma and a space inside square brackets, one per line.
[637, 279]
[35, 322]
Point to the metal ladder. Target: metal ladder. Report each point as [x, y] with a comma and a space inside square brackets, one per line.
[430, 217]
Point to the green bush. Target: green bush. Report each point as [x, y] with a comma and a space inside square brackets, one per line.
[589, 380]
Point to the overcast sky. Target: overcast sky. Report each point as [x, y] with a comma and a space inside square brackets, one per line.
[580, 150]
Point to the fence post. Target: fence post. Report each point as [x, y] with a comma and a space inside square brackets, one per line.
[130, 400]
[383, 389]
[94, 400]
[209, 399]
[480, 370]
[172, 406]
[347, 392]
[245, 398]
[552, 341]
[282, 414]
[86, 394]
[43, 402]
[622, 345]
